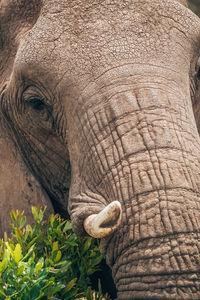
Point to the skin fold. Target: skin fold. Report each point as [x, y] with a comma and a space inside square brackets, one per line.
[19, 189]
[101, 102]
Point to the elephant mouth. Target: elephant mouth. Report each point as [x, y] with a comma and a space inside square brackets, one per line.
[165, 267]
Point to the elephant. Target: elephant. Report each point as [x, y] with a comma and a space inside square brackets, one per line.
[100, 105]
[17, 192]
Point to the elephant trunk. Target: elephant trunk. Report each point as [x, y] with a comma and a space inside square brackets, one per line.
[148, 150]
[163, 267]
[158, 242]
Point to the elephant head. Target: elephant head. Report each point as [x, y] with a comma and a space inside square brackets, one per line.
[99, 97]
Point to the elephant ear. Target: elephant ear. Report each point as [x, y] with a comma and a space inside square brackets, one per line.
[16, 18]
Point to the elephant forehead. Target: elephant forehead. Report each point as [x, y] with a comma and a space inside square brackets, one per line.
[86, 37]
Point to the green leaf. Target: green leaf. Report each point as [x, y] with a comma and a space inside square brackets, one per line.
[68, 226]
[22, 222]
[29, 229]
[64, 268]
[58, 256]
[2, 293]
[30, 251]
[17, 253]
[72, 244]
[35, 291]
[6, 254]
[57, 288]
[13, 215]
[97, 260]
[18, 234]
[62, 263]
[39, 265]
[20, 270]
[87, 245]
[70, 285]
[3, 265]
[43, 273]
[35, 239]
[55, 246]
[73, 295]
[52, 218]
[40, 215]
[9, 249]
[35, 213]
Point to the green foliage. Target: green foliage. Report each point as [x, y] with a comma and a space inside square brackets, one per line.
[47, 260]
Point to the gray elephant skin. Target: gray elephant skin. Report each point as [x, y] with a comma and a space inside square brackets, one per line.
[100, 103]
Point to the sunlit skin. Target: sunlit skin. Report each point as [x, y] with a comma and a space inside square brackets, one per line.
[101, 102]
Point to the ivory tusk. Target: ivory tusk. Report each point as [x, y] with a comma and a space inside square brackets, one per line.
[104, 223]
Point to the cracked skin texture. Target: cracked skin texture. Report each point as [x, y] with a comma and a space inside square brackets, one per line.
[101, 100]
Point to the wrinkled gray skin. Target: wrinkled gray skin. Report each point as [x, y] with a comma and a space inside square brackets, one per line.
[18, 188]
[106, 88]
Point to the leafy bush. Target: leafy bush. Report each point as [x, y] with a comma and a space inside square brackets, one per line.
[47, 260]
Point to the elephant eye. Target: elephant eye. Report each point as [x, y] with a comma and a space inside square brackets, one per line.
[36, 103]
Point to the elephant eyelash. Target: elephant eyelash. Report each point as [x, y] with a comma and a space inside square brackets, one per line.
[36, 97]
[36, 103]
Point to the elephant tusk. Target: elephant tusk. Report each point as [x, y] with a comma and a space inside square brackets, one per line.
[104, 223]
